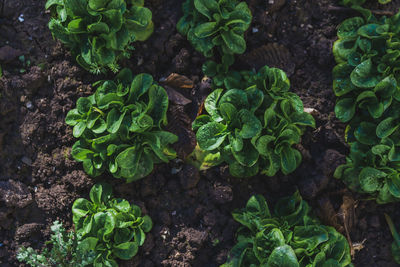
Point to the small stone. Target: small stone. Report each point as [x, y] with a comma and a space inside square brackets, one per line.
[311, 111]
[29, 105]
[26, 160]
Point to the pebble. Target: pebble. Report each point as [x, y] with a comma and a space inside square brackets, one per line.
[29, 105]
[27, 160]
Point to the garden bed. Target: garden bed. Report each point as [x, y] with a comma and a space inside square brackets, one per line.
[191, 210]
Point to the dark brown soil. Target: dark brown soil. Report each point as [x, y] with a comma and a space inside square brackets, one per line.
[191, 211]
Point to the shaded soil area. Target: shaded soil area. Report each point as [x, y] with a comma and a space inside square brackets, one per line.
[191, 211]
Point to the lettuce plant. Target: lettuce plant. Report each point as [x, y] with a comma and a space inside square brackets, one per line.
[66, 251]
[215, 23]
[366, 77]
[366, 84]
[229, 128]
[99, 32]
[114, 228]
[373, 165]
[254, 129]
[119, 127]
[287, 236]
[396, 237]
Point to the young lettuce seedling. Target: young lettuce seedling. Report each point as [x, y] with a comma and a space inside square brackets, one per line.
[216, 26]
[211, 23]
[396, 242]
[111, 226]
[99, 32]
[254, 129]
[120, 127]
[288, 236]
[66, 251]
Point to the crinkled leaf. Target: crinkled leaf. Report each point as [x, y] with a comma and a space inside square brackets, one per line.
[387, 127]
[211, 135]
[211, 102]
[370, 179]
[364, 76]
[125, 251]
[345, 109]
[282, 256]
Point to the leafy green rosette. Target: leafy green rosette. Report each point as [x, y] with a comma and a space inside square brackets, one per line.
[120, 127]
[367, 75]
[254, 129]
[99, 32]
[211, 23]
[112, 227]
[289, 236]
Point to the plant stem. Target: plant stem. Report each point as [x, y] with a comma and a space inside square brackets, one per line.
[395, 234]
[99, 111]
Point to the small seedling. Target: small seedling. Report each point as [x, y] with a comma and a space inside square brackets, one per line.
[209, 24]
[66, 251]
[112, 227]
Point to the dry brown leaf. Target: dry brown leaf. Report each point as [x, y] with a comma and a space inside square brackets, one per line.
[347, 216]
[176, 97]
[201, 107]
[357, 246]
[180, 124]
[178, 81]
[343, 221]
[9, 54]
[273, 55]
[328, 214]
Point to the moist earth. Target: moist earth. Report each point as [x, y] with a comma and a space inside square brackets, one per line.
[191, 210]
